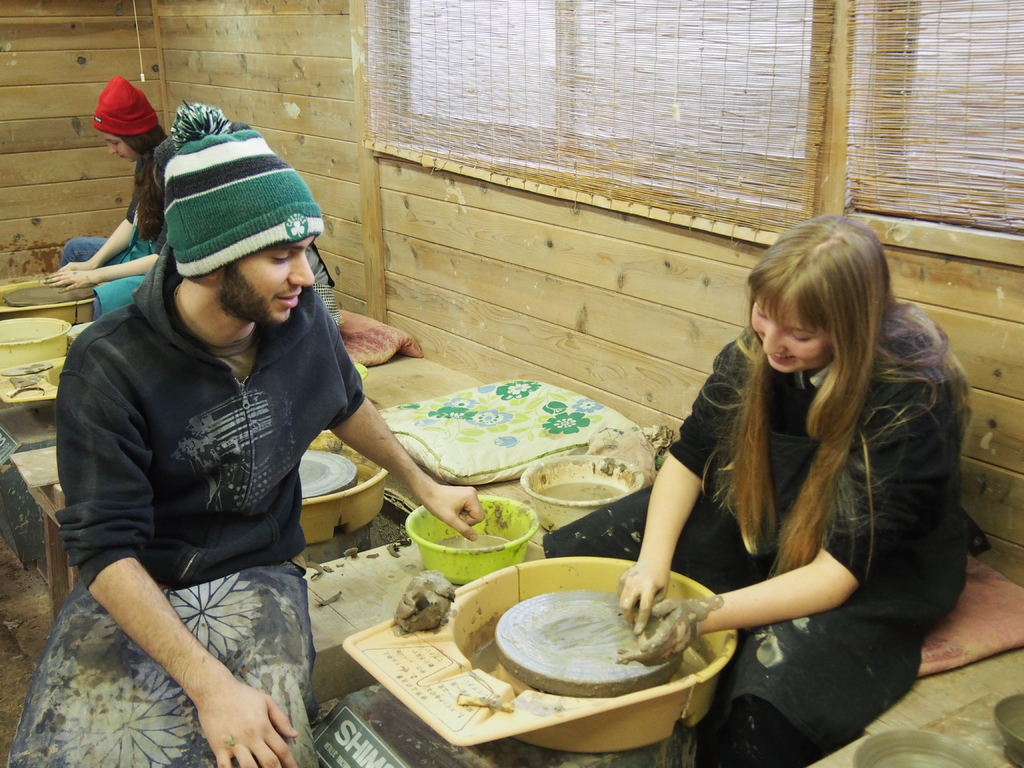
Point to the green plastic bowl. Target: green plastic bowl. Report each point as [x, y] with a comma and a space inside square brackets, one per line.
[502, 517]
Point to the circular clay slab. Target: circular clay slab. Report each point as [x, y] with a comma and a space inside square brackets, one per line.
[567, 643]
[39, 295]
[321, 473]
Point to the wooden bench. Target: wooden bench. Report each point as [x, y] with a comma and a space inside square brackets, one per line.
[957, 703]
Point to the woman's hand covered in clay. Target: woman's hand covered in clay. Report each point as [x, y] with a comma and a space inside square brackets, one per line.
[678, 630]
[639, 588]
[72, 276]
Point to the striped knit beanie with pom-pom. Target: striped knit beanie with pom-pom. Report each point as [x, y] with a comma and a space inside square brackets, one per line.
[227, 196]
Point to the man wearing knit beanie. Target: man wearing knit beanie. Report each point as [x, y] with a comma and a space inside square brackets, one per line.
[181, 422]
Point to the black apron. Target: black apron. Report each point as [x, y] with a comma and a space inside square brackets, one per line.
[829, 674]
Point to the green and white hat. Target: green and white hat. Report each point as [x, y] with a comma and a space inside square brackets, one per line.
[227, 196]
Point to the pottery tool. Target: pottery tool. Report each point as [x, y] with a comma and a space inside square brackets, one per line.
[25, 370]
[495, 704]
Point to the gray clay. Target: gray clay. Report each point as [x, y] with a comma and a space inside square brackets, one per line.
[425, 604]
[569, 643]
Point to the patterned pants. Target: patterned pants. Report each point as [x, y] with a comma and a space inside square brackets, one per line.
[96, 699]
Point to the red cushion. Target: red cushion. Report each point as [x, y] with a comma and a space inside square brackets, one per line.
[371, 342]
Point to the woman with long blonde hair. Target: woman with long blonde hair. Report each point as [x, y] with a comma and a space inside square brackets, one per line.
[814, 490]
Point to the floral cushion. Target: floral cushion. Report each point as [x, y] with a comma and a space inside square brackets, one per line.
[492, 433]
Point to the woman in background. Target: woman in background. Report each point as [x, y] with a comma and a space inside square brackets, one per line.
[131, 128]
[814, 489]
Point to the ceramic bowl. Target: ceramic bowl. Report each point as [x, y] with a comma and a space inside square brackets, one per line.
[565, 488]
[1009, 716]
[916, 749]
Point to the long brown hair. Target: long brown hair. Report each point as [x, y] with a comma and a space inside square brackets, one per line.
[831, 272]
[149, 194]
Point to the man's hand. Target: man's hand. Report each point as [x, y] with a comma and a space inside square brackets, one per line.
[678, 630]
[639, 588]
[247, 725]
[457, 506]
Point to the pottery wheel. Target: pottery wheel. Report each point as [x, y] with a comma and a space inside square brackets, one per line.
[567, 643]
[45, 294]
[321, 473]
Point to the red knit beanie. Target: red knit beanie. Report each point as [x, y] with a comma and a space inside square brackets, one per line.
[124, 110]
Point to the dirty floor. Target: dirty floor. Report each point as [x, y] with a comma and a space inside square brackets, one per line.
[24, 622]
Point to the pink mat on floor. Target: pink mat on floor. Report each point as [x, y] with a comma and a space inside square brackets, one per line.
[988, 618]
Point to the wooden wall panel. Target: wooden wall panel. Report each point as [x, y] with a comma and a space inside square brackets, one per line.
[44, 136]
[73, 33]
[44, 232]
[72, 197]
[51, 167]
[56, 56]
[662, 332]
[289, 113]
[504, 283]
[80, 7]
[673, 278]
[253, 7]
[284, 67]
[306, 75]
[491, 364]
[32, 102]
[343, 237]
[403, 177]
[81, 66]
[579, 357]
[282, 34]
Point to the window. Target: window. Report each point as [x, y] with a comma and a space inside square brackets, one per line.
[709, 113]
[937, 112]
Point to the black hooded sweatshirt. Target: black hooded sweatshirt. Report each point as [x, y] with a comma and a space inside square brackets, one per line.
[165, 457]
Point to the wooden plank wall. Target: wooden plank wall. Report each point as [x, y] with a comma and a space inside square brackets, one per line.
[57, 179]
[504, 283]
[284, 67]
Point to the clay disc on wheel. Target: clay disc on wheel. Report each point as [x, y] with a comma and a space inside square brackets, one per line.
[321, 473]
[45, 294]
[567, 643]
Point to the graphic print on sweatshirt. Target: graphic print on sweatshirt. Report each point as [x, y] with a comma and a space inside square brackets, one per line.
[239, 446]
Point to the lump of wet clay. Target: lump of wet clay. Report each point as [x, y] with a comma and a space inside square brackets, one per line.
[425, 603]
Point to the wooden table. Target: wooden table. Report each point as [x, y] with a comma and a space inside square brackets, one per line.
[38, 469]
[957, 703]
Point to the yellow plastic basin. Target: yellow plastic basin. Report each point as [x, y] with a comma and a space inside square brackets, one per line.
[349, 509]
[70, 311]
[503, 517]
[428, 671]
[32, 339]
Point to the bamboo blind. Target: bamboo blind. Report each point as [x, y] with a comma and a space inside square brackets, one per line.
[937, 111]
[700, 112]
